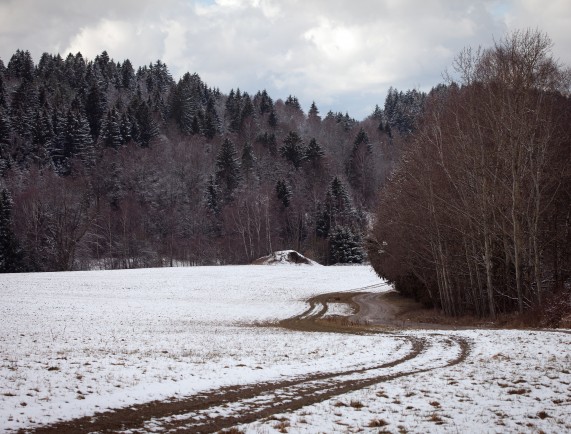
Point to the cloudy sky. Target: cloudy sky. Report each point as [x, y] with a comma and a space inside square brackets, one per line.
[344, 54]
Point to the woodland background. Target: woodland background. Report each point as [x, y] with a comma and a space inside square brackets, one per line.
[460, 196]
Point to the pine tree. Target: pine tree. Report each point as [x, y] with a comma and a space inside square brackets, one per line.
[345, 246]
[21, 66]
[211, 119]
[269, 141]
[248, 160]
[338, 204]
[377, 113]
[10, 253]
[313, 114]
[3, 95]
[111, 130]
[228, 174]
[43, 136]
[5, 131]
[95, 108]
[75, 70]
[23, 108]
[314, 153]
[145, 128]
[247, 110]
[273, 119]
[77, 140]
[293, 102]
[293, 149]
[187, 103]
[5, 126]
[127, 75]
[283, 192]
[264, 102]
[126, 128]
[359, 165]
[212, 195]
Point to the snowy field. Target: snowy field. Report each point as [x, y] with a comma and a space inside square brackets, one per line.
[75, 343]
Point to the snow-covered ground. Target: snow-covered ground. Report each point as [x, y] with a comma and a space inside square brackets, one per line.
[75, 343]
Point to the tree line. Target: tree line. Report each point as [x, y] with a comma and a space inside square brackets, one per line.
[105, 166]
[476, 217]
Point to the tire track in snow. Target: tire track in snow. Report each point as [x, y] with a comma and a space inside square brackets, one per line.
[215, 410]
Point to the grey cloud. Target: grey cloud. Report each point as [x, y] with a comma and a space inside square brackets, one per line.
[342, 54]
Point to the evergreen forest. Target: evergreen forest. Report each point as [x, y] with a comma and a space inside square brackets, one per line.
[106, 166]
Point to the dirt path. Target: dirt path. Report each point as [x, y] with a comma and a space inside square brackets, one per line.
[219, 409]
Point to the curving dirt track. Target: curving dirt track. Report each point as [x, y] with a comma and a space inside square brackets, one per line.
[226, 407]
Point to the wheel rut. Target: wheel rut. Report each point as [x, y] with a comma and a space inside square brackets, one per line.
[226, 407]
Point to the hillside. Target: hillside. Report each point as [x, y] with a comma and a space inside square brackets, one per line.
[107, 166]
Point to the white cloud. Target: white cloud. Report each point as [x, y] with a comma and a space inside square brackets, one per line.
[344, 55]
[118, 37]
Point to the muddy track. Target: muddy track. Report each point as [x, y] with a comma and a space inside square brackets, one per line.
[223, 408]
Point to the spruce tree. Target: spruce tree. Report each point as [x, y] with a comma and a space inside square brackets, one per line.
[293, 102]
[10, 252]
[23, 108]
[314, 153]
[283, 192]
[273, 119]
[5, 126]
[111, 130]
[4, 140]
[293, 149]
[359, 165]
[127, 75]
[211, 119]
[95, 108]
[21, 66]
[345, 246]
[264, 102]
[212, 195]
[77, 140]
[228, 174]
[145, 129]
[247, 111]
[338, 204]
[43, 136]
[313, 114]
[248, 160]
[3, 95]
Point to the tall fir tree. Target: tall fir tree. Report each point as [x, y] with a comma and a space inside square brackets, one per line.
[248, 160]
[212, 195]
[228, 174]
[95, 109]
[345, 246]
[314, 153]
[283, 192]
[10, 252]
[111, 130]
[293, 150]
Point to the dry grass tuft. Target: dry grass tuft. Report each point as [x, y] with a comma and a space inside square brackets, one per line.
[518, 391]
[282, 426]
[356, 404]
[377, 423]
[434, 417]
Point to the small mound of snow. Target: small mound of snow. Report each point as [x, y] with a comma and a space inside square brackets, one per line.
[284, 257]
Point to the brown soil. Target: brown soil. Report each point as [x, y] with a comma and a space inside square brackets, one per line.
[207, 412]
